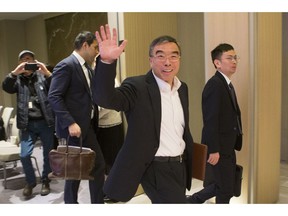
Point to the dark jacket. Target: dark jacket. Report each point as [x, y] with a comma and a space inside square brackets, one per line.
[70, 97]
[19, 85]
[220, 131]
[139, 97]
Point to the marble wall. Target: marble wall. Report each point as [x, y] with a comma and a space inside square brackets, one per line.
[62, 30]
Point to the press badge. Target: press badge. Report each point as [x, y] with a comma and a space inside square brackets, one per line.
[30, 105]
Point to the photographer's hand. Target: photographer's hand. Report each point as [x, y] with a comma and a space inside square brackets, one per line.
[19, 69]
[43, 69]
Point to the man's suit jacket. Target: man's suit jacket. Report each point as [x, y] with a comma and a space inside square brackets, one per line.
[220, 131]
[139, 97]
[70, 97]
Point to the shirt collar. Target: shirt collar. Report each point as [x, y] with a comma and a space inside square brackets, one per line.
[226, 78]
[79, 57]
[165, 87]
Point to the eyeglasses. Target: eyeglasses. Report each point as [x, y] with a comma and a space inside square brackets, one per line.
[235, 58]
[163, 58]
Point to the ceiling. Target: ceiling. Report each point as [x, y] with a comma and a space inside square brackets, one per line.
[17, 16]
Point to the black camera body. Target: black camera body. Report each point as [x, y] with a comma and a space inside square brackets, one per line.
[31, 66]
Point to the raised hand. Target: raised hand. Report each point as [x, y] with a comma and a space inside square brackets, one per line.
[108, 47]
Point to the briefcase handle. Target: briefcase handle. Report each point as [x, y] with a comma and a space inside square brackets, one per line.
[68, 142]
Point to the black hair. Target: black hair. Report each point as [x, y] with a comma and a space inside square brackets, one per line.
[217, 52]
[82, 37]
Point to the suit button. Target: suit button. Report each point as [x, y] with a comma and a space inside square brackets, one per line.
[235, 128]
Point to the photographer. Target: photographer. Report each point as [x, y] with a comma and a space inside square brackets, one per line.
[31, 80]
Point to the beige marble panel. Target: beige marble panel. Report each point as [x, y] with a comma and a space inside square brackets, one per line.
[61, 32]
[268, 74]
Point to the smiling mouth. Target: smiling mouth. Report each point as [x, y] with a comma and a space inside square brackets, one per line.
[167, 71]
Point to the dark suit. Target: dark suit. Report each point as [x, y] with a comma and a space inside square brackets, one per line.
[139, 97]
[221, 133]
[71, 101]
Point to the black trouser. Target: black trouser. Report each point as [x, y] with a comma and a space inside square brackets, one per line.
[220, 183]
[165, 182]
[96, 185]
[110, 140]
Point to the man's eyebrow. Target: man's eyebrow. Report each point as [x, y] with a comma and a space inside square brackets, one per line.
[161, 51]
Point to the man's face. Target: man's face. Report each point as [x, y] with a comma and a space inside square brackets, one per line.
[227, 64]
[28, 59]
[91, 52]
[165, 61]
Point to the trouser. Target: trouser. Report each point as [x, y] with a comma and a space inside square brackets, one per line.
[96, 185]
[35, 129]
[165, 182]
[219, 181]
[110, 140]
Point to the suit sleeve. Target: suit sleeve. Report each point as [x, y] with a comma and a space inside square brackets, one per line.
[59, 84]
[211, 97]
[104, 92]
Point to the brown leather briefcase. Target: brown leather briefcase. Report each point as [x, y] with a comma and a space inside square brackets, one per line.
[199, 158]
[72, 162]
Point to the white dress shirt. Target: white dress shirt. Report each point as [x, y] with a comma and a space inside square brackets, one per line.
[172, 122]
[86, 73]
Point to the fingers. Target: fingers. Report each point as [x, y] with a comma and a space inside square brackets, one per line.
[100, 36]
[105, 34]
[108, 34]
[74, 130]
[123, 45]
[114, 35]
[213, 158]
[99, 40]
[108, 44]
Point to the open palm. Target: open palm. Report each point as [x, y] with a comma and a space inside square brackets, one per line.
[108, 46]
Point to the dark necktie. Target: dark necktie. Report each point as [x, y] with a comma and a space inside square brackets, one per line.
[90, 74]
[233, 95]
[90, 71]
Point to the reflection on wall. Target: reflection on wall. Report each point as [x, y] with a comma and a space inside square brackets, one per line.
[62, 30]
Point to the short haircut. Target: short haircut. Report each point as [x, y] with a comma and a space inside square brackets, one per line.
[25, 52]
[217, 52]
[82, 37]
[161, 40]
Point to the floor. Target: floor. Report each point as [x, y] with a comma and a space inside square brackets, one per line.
[16, 182]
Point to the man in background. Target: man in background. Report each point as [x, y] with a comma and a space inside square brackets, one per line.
[222, 130]
[30, 80]
[76, 113]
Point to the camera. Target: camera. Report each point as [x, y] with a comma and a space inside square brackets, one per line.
[31, 66]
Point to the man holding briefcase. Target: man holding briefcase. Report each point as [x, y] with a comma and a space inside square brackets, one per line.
[76, 113]
[222, 131]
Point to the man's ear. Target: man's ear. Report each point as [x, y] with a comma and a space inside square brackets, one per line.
[217, 63]
[85, 44]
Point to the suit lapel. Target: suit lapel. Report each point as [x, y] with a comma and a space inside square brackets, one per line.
[80, 74]
[155, 99]
[221, 77]
[184, 102]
